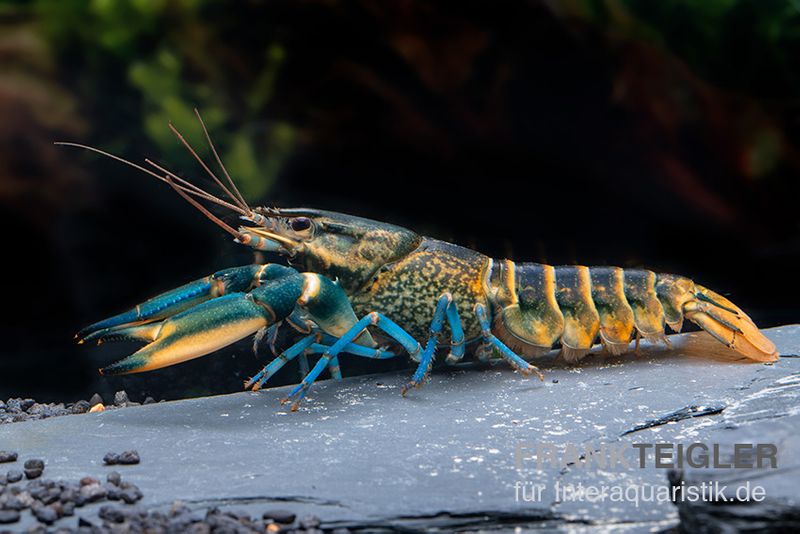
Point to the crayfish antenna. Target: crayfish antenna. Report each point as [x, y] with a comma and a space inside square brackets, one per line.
[219, 161]
[181, 183]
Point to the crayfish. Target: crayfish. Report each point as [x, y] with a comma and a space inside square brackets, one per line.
[374, 290]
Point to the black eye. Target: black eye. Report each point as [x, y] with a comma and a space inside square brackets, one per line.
[299, 224]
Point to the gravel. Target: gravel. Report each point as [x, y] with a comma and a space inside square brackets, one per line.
[124, 458]
[49, 501]
[16, 410]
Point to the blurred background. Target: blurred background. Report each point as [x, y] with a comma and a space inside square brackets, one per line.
[635, 133]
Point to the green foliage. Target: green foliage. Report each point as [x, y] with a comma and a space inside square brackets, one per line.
[141, 64]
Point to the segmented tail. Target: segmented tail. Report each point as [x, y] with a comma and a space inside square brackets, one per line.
[540, 305]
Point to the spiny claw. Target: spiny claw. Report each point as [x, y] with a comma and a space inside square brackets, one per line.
[147, 332]
[194, 333]
[177, 300]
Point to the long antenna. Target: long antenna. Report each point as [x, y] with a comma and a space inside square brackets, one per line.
[235, 199]
[214, 199]
[204, 211]
[187, 186]
[219, 161]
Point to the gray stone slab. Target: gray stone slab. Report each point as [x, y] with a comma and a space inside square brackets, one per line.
[358, 454]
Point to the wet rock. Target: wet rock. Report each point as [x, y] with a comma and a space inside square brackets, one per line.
[14, 476]
[7, 456]
[111, 458]
[149, 400]
[96, 399]
[26, 404]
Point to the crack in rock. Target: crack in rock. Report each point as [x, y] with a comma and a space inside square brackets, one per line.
[688, 412]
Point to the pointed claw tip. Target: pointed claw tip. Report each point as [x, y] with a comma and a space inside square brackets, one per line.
[295, 406]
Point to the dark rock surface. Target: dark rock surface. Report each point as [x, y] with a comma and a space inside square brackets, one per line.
[451, 455]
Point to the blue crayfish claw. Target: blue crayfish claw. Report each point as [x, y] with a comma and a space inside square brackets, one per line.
[199, 331]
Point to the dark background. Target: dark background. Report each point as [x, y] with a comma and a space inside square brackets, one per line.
[657, 134]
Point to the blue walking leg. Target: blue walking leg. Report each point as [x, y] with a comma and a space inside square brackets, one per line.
[308, 345]
[282, 359]
[457, 334]
[379, 320]
[334, 369]
[509, 355]
[426, 361]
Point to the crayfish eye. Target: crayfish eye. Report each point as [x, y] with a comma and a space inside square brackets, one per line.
[300, 224]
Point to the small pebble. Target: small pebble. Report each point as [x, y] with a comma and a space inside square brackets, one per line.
[14, 476]
[121, 398]
[34, 463]
[96, 399]
[68, 508]
[81, 406]
[280, 516]
[88, 481]
[45, 514]
[93, 492]
[30, 474]
[7, 456]
[97, 408]
[149, 400]
[131, 495]
[111, 458]
[8, 516]
[128, 458]
[113, 477]
[112, 514]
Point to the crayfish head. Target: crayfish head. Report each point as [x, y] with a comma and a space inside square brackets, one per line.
[344, 247]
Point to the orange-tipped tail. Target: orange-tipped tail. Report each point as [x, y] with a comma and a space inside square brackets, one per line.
[727, 323]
